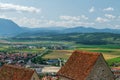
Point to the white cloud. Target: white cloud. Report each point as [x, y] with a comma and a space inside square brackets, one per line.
[69, 23]
[33, 22]
[108, 9]
[117, 26]
[84, 17]
[101, 20]
[73, 18]
[48, 23]
[3, 16]
[92, 9]
[19, 8]
[118, 17]
[70, 18]
[110, 16]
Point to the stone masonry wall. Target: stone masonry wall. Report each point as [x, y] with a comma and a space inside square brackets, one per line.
[100, 71]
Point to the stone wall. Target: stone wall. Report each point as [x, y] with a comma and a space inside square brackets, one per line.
[100, 71]
[63, 78]
[35, 76]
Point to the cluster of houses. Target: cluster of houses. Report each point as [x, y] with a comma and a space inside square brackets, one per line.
[23, 46]
[15, 59]
[53, 47]
[116, 72]
[80, 66]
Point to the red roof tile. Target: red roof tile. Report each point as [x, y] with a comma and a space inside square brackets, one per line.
[79, 65]
[9, 72]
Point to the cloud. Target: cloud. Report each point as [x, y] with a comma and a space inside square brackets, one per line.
[73, 18]
[110, 16]
[117, 26]
[19, 8]
[24, 21]
[33, 22]
[69, 23]
[3, 16]
[101, 20]
[84, 17]
[118, 17]
[108, 9]
[92, 9]
[70, 18]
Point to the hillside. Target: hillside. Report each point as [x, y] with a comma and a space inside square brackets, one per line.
[79, 38]
[82, 29]
[9, 28]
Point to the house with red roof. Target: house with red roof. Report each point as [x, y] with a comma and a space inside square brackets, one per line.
[85, 66]
[10, 72]
[116, 72]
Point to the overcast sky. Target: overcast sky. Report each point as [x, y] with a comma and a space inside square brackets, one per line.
[62, 13]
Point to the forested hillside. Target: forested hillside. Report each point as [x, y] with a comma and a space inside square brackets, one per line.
[79, 38]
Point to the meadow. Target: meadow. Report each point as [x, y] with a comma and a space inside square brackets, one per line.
[111, 52]
[108, 51]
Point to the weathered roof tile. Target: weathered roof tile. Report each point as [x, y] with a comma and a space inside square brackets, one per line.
[9, 72]
[79, 65]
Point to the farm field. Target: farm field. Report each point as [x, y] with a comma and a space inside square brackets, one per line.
[108, 51]
[61, 54]
[58, 54]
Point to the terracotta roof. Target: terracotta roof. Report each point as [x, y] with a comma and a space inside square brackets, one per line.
[78, 65]
[115, 68]
[9, 72]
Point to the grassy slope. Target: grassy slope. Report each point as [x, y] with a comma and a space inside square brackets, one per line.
[114, 61]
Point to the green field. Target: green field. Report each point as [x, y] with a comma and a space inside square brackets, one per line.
[58, 54]
[114, 61]
[109, 51]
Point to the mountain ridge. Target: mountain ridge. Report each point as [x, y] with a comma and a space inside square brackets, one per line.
[10, 28]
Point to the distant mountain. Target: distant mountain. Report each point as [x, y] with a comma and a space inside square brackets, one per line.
[9, 28]
[82, 29]
[45, 29]
[37, 32]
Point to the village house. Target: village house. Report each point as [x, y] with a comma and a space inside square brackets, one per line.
[85, 66]
[10, 72]
[116, 72]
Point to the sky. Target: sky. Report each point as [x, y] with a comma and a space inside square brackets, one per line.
[62, 13]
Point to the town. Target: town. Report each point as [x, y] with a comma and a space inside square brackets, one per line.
[59, 39]
[75, 64]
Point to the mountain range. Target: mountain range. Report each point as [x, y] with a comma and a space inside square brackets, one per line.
[10, 28]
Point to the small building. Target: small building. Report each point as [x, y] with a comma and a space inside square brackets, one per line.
[85, 66]
[50, 69]
[116, 71]
[52, 61]
[10, 72]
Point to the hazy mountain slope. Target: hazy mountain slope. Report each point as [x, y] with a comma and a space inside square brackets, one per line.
[90, 30]
[9, 28]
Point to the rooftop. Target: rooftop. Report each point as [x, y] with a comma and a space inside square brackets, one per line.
[79, 65]
[10, 72]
